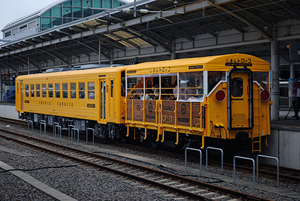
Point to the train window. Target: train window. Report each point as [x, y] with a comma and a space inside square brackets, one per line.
[81, 87]
[50, 90]
[91, 90]
[37, 90]
[44, 88]
[123, 83]
[237, 87]
[213, 78]
[191, 86]
[32, 90]
[65, 90]
[27, 90]
[134, 89]
[262, 78]
[73, 90]
[168, 87]
[111, 88]
[57, 90]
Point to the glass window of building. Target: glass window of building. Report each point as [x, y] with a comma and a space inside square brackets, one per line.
[107, 4]
[97, 3]
[56, 11]
[23, 28]
[73, 10]
[8, 33]
[77, 3]
[77, 13]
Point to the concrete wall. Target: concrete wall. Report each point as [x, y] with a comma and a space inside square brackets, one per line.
[284, 144]
[8, 111]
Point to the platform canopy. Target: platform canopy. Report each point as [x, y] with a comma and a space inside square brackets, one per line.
[151, 30]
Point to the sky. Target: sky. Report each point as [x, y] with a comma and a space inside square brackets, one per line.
[11, 10]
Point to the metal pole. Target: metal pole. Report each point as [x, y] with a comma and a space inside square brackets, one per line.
[275, 75]
[207, 156]
[253, 162]
[0, 87]
[186, 157]
[28, 66]
[99, 51]
[270, 157]
[134, 9]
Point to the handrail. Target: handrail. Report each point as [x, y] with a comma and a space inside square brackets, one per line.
[186, 157]
[253, 168]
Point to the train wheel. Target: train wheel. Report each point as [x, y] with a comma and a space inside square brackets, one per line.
[111, 131]
[99, 131]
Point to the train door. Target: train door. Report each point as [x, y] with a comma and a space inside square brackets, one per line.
[110, 104]
[22, 95]
[102, 99]
[240, 99]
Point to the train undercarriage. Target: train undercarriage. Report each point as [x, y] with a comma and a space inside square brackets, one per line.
[118, 132]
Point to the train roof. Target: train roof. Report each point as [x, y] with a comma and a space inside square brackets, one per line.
[81, 73]
[211, 63]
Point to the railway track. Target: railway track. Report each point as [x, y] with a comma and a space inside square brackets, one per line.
[175, 184]
[270, 171]
[13, 121]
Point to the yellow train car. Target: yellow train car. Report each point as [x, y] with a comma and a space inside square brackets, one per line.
[189, 100]
[85, 98]
[193, 101]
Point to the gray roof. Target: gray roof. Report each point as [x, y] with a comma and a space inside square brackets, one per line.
[31, 16]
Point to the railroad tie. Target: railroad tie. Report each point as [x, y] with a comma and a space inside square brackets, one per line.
[199, 191]
[160, 181]
[207, 194]
[220, 197]
[187, 188]
[179, 185]
[169, 195]
[172, 182]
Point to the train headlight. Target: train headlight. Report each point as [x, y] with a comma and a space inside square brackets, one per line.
[264, 95]
[220, 95]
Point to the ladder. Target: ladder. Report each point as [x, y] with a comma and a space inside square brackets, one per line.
[257, 140]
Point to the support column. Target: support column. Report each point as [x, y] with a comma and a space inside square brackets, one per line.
[28, 66]
[99, 51]
[173, 54]
[275, 75]
[111, 57]
[0, 86]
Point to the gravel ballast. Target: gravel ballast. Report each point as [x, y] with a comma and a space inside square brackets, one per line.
[85, 183]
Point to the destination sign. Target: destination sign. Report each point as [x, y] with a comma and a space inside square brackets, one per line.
[238, 62]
